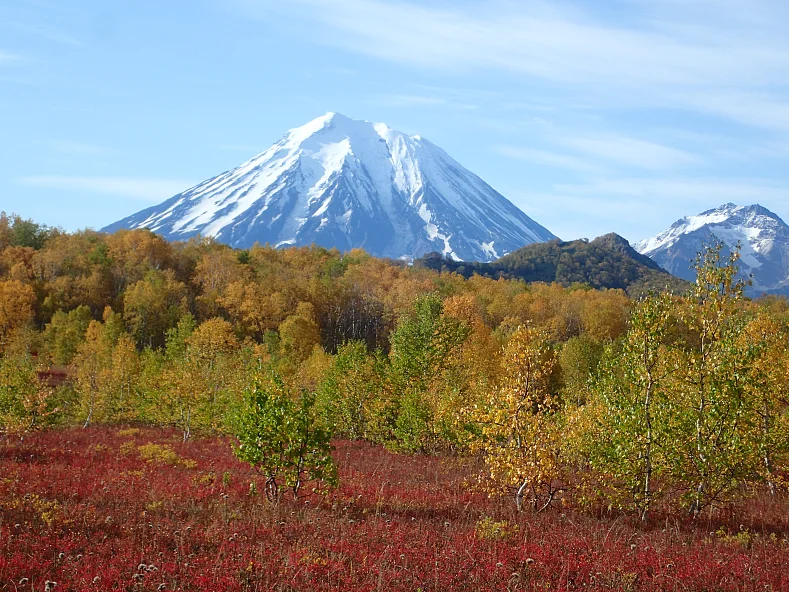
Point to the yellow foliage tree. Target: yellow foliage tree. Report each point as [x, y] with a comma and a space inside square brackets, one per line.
[519, 430]
[26, 403]
[769, 393]
[153, 305]
[202, 374]
[107, 371]
[214, 272]
[299, 333]
[17, 300]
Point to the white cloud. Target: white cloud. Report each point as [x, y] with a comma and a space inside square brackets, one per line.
[752, 108]
[547, 158]
[633, 152]
[398, 100]
[143, 189]
[46, 32]
[699, 191]
[74, 147]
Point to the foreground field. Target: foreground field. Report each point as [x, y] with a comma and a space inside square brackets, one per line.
[110, 509]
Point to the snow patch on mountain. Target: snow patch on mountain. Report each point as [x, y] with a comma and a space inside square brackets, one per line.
[489, 249]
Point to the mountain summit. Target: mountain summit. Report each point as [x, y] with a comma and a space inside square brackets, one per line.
[763, 237]
[342, 183]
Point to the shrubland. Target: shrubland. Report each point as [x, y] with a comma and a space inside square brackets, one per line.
[105, 508]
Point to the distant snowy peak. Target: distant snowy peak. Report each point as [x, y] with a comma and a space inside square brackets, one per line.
[339, 182]
[763, 238]
[753, 221]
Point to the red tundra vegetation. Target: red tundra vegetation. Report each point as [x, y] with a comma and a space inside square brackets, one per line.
[139, 509]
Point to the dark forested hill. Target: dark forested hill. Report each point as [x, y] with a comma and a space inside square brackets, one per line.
[606, 262]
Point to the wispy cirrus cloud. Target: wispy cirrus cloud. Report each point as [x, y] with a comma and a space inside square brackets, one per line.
[547, 158]
[603, 153]
[684, 190]
[401, 100]
[750, 107]
[45, 31]
[151, 190]
[75, 147]
[632, 152]
[684, 55]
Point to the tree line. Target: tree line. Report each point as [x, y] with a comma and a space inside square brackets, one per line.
[673, 399]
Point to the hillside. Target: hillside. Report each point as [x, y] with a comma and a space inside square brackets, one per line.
[606, 262]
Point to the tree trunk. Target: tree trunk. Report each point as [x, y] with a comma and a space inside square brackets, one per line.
[695, 506]
[519, 495]
[768, 462]
[187, 426]
[272, 489]
[647, 452]
[88, 418]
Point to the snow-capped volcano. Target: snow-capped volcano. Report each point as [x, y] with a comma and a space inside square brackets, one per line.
[342, 183]
[762, 235]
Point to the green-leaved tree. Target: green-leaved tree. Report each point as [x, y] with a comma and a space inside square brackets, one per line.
[281, 437]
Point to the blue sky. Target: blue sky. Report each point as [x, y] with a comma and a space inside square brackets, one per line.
[591, 116]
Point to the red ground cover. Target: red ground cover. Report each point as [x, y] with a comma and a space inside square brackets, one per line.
[85, 509]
